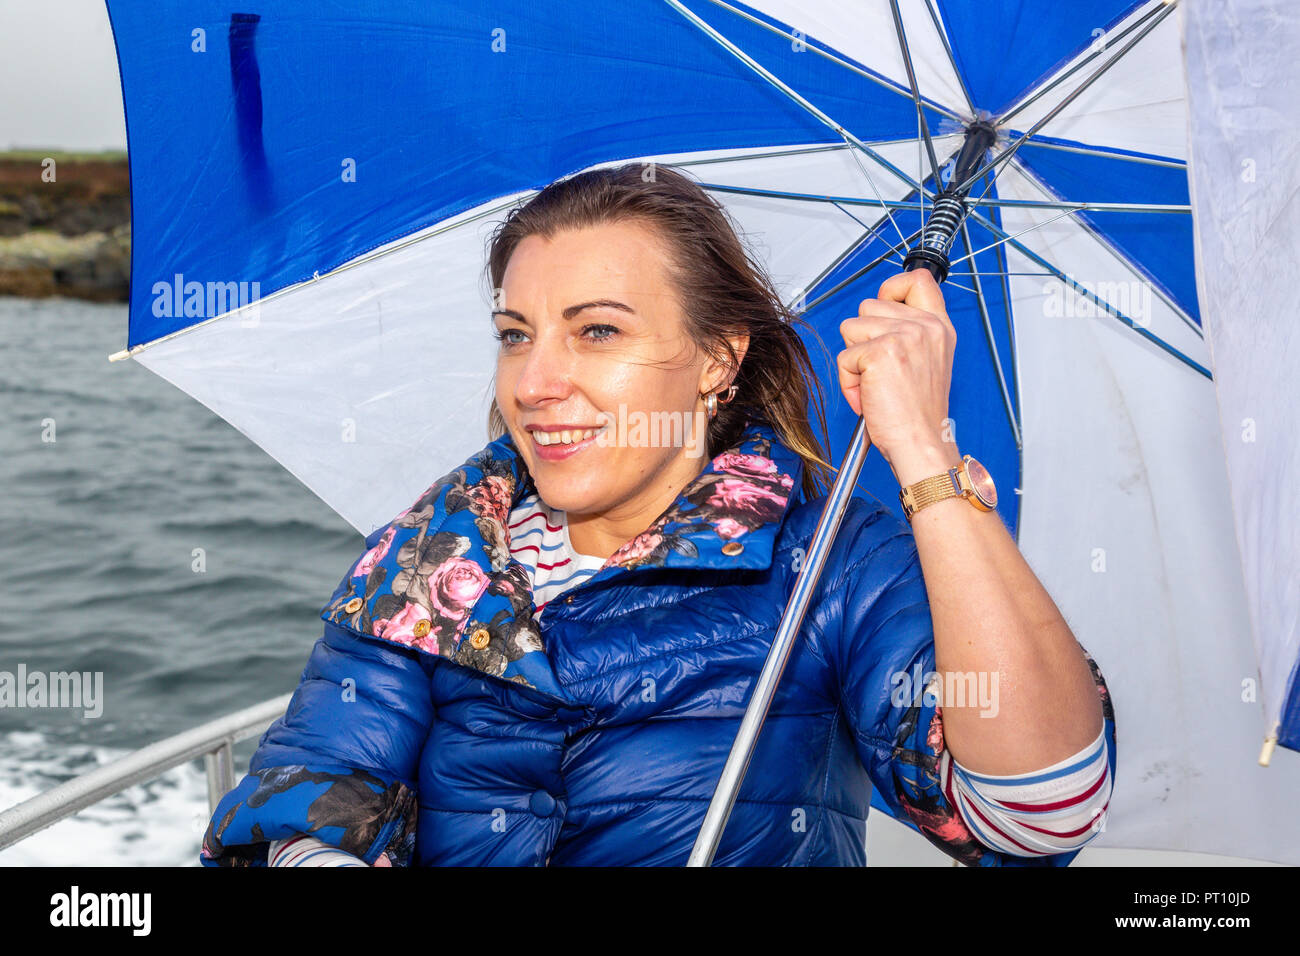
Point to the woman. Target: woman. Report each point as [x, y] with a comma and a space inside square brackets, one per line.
[545, 659]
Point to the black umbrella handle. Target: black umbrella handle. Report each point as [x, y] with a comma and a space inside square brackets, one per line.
[936, 263]
[949, 207]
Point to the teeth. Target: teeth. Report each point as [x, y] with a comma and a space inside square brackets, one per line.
[566, 437]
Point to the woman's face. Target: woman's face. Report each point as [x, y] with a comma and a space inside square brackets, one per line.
[592, 335]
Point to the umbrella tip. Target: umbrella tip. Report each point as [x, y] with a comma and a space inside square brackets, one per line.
[1270, 742]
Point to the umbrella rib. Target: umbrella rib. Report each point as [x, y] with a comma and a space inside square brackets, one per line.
[765, 154]
[872, 183]
[1031, 255]
[1001, 252]
[1066, 74]
[859, 201]
[1039, 274]
[781, 151]
[798, 98]
[1087, 227]
[774, 193]
[825, 54]
[1111, 154]
[1084, 206]
[947, 48]
[1106, 306]
[813, 197]
[992, 343]
[920, 171]
[893, 251]
[872, 231]
[916, 93]
[1010, 151]
[830, 267]
[1038, 225]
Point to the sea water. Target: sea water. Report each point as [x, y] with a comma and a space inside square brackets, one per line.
[146, 541]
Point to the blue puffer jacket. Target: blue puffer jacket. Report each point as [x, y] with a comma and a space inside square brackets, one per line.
[439, 722]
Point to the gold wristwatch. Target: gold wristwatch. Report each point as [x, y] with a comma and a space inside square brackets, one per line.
[969, 480]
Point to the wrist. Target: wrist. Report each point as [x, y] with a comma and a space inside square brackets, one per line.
[924, 460]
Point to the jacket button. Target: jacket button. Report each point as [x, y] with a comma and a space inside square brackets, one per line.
[353, 606]
[569, 599]
[732, 548]
[422, 627]
[480, 639]
[541, 803]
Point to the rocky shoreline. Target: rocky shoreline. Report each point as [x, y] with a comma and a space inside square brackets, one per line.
[65, 225]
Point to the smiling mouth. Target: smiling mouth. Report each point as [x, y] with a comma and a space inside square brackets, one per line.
[565, 438]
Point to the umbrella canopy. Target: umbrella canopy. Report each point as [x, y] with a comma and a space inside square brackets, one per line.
[314, 187]
[1243, 81]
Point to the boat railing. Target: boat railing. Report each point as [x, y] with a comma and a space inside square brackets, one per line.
[213, 741]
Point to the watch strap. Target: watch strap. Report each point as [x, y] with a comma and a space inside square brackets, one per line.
[927, 491]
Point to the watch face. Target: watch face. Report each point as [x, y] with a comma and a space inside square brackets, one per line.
[982, 482]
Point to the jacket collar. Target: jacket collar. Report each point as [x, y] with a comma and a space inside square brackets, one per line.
[727, 517]
[440, 577]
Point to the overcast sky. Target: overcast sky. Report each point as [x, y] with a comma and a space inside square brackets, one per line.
[59, 86]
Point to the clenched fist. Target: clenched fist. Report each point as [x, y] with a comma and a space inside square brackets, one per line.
[896, 368]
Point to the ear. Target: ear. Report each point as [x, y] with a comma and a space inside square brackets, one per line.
[718, 375]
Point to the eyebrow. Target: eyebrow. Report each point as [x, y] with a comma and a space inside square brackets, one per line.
[572, 310]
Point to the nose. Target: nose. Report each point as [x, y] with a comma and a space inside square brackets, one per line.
[547, 372]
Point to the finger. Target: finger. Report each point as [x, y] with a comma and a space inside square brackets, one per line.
[855, 363]
[923, 300]
[913, 325]
[916, 288]
[886, 307]
[864, 328]
[880, 318]
[847, 364]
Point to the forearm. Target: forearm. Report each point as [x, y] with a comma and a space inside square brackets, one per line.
[992, 618]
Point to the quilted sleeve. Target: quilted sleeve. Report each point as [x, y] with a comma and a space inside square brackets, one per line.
[341, 765]
[884, 659]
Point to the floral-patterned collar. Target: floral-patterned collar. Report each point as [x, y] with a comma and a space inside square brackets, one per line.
[440, 578]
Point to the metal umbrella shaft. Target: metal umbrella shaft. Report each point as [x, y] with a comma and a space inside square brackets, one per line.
[931, 255]
[733, 772]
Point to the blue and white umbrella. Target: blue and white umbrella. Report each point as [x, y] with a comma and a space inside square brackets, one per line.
[314, 183]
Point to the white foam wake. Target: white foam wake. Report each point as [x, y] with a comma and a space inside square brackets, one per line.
[157, 823]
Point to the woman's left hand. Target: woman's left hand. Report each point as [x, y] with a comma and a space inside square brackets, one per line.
[896, 368]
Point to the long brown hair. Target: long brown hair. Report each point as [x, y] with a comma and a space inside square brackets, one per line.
[724, 292]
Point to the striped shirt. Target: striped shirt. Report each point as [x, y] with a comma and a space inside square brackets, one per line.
[539, 540]
[1053, 810]
[303, 850]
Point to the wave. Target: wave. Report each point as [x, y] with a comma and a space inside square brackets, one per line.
[156, 823]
